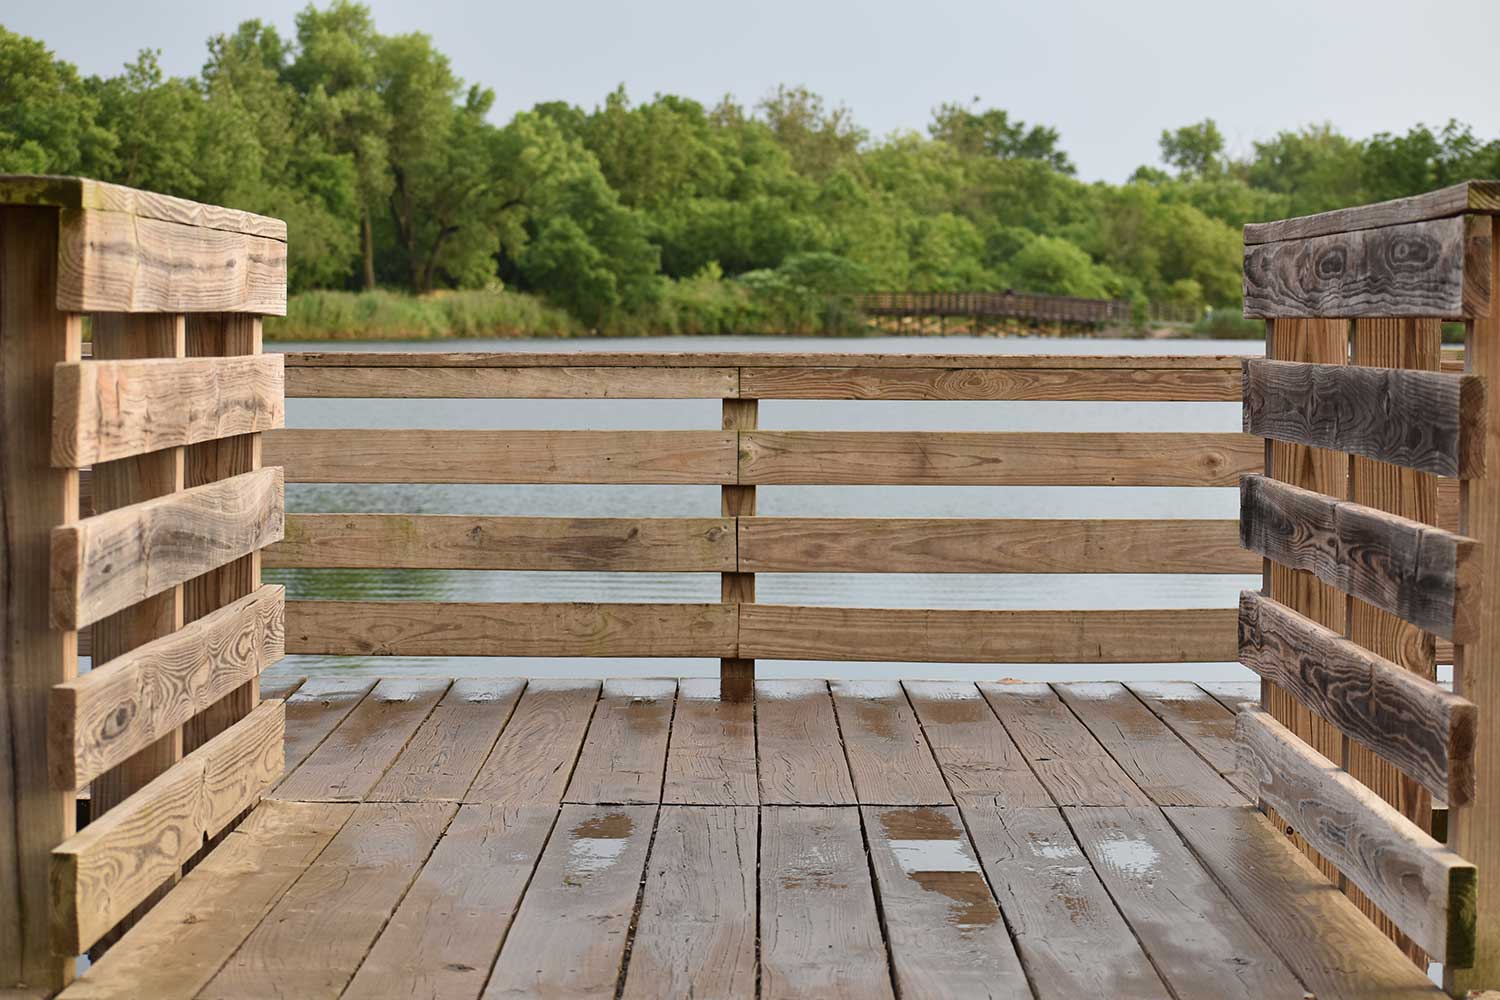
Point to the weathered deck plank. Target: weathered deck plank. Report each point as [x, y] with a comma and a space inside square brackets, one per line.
[888, 755]
[711, 758]
[1200, 720]
[624, 757]
[979, 760]
[445, 754]
[314, 710]
[798, 749]
[534, 757]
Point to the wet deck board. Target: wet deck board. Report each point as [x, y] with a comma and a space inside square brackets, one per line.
[561, 874]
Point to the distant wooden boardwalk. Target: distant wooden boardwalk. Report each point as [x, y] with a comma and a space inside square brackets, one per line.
[643, 838]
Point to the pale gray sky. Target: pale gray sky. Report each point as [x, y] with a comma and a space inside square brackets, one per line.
[1109, 75]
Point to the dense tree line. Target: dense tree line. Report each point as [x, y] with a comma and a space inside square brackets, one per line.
[389, 173]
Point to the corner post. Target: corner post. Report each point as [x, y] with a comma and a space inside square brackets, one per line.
[737, 676]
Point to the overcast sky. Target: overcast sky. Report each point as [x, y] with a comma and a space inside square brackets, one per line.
[1109, 75]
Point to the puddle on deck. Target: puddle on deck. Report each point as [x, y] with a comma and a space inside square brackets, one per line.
[595, 845]
[1130, 855]
[932, 852]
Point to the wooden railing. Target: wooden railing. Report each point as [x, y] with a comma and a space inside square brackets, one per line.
[1353, 738]
[167, 729]
[997, 305]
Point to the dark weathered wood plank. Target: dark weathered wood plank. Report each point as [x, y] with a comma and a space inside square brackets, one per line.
[695, 934]
[1066, 758]
[1197, 939]
[1072, 940]
[711, 757]
[624, 757]
[1200, 720]
[944, 930]
[1408, 720]
[1428, 421]
[314, 938]
[1161, 764]
[820, 933]
[1313, 927]
[446, 752]
[851, 382]
[798, 748]
[1438, 268]
[979, 760]
[1426, 889]
[533, 760]
[568, 937]
[1467, 196]
[1423, 574]
[443, 938]
[888, 756]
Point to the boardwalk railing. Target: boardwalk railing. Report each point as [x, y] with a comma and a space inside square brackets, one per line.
[1353, 738]
[166, 730]
[996, 305]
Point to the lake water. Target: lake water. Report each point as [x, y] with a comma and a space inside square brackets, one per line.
[851, 590]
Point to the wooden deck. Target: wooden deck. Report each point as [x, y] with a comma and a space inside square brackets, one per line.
[643, 838]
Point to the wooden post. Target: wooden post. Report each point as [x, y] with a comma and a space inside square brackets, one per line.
[34, 498]
[736, 676]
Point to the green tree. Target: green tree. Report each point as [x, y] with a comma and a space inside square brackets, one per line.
[49, 121]
[1194, 150]
[991, 132]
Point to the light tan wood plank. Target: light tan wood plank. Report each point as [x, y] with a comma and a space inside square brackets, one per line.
[117, 861]
[848, 382]
[109, 561]
[799, 752]
[443, 938]
[711, 757]
[326, 455]
[979, 760]
[768, 631]
[985, 458]
[624, 756]
[1426, 889]
[125, 705]
[568, 937]
[1200, 721]
[105, 410]
[348, 764]
[314, 710]
[81, 192]
[453, 628]
[888, 756]
[1072, 940]
[533, 760]
[444, 755]
[751, 359]
[178, 946]
[820, 933]
[314, 938]
[450, 541]
[696, 931]
[560, 382]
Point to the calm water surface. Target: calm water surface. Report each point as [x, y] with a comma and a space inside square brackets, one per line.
[861, 590]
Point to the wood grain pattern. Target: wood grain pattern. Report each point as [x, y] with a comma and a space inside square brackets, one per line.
[1199, 720]
[452, 628]
[769, 631]
[820, 931]
[81, 192]
[104, 410]
[117, 861]
[533, 760]
[1408, 720]
[980, 762]
[695, 934]
[114, 262]
[1428, 421]
[737, 673]
[561, 382]
[800, 755]
[445, 754]
[1467, 196]
[112, 560]
[1421, 573]
[568, 938]
[1421, 269]
[315, 709]
[625, 755]
[711, 759]
[991, 545]
[1425, 888]
[983, 458]
[846, 382]
[451, 541]
[328, 455]
[888, 755]
[748, 359]
[126, 704]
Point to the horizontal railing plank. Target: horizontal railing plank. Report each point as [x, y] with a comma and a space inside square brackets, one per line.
[990, 545]
[81, 192]
[430, 628]
[996, 459]
[121, 707]
[105, 410]
[1408, 720]
[482, 456]
[776, 632]
[1428, 421]
[561, 382]
[1438, 269]
[103, 872]
[1468, 196]
[116, 262]
[1145, 383]
[750, 359]
[1426, 889]
[1421, 573]
[113, 560]
[450, 541]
